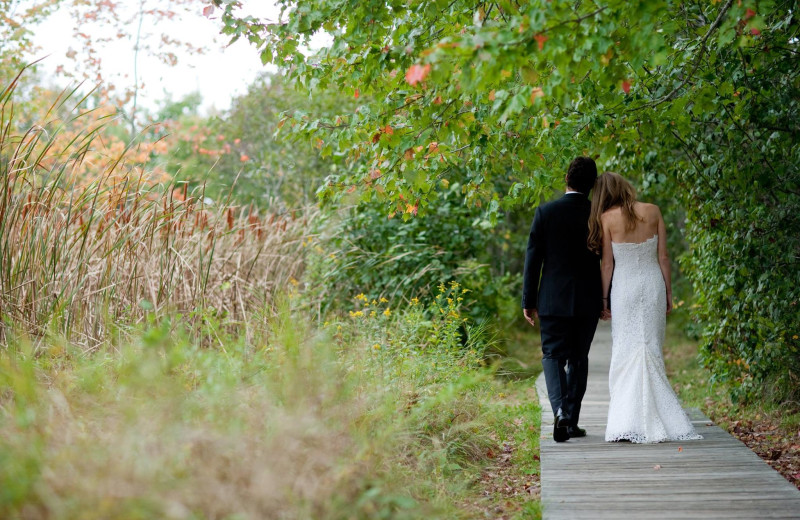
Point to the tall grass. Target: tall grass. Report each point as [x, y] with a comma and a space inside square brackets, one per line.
[88, 260]
[371, 417]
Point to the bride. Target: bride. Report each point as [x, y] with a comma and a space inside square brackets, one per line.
[631, 238]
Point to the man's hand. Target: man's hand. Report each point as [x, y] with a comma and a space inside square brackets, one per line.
[531, 315]
[605, 314]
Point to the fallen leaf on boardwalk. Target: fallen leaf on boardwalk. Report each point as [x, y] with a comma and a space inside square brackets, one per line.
[680, 449]
[657, 467]
[709, 424]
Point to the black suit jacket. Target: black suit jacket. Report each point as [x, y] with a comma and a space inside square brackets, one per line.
[562, 277]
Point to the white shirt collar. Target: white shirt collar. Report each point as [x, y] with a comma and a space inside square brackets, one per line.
[574, 192]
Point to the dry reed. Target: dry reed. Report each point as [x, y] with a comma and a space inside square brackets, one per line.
[78, 259]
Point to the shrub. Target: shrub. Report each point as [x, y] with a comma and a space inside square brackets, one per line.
[361, 250]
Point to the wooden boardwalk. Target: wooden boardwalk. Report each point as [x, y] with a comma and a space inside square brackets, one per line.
[717, 477]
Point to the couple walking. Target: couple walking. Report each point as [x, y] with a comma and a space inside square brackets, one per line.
[567, 290]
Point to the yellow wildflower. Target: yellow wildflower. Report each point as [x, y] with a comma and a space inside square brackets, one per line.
[795, 336]
[449, 301]
[454, 284]
[356, 314]
[414, 301]
[293, 281]
[384, 300]
[373, 314]
[361, 297]
[464, 291]
[387, 312]
[376, 347]
[374, 302]
[441, 288]
[326, 324]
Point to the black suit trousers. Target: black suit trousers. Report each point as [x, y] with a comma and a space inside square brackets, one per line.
[565, 360]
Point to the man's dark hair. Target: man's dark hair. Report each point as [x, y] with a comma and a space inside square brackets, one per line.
[581, 174]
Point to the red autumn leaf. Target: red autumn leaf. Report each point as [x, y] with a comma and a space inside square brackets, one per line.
[208, 10]
[351, 189]
[388, 130]
[755, 32]
[433, 147]
[626, 86]
[356, 94]
[244, 157]
[749, 14]
[437, 100]
[374, 174]
[540, 39]
[491, 95]
[417, 73]
[376, 137]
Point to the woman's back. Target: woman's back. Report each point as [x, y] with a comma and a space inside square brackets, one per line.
[646, 225]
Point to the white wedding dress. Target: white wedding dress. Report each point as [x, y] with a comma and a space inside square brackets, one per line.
[643, 406]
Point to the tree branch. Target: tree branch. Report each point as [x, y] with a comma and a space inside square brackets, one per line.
[699, 57]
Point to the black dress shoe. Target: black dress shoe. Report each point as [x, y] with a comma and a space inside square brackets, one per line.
[560, 427]
[574, 431]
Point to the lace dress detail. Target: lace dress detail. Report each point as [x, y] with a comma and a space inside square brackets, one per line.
[643, 407]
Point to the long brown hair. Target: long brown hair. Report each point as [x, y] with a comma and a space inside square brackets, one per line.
[610, 190]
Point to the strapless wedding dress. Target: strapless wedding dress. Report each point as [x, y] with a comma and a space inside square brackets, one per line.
[643, 406]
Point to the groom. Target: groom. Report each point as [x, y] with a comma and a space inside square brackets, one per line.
[562, 289]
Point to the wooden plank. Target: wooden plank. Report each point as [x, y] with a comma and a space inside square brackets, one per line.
[717, 477]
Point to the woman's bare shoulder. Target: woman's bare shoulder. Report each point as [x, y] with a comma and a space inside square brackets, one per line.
[611, 213]
[646, 208]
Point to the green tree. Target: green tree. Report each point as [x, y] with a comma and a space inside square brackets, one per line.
[278, 168]
[696, 101]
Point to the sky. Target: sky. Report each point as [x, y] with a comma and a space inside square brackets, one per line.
[219, 75]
